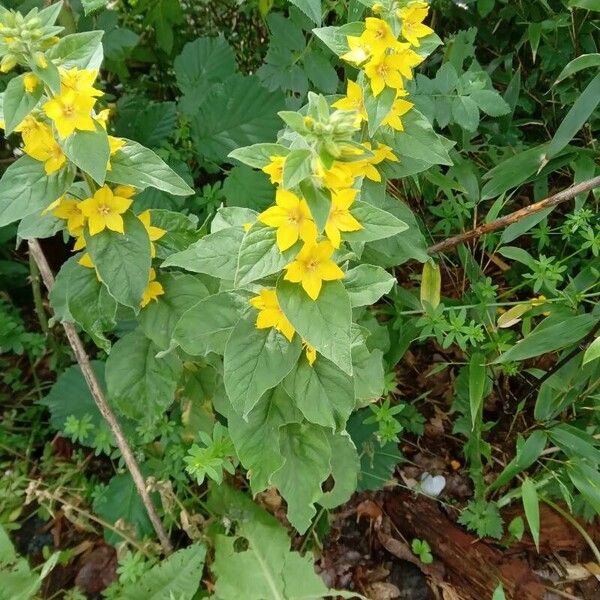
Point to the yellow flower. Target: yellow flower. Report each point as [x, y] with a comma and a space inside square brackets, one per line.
[354, 100]
[339, 218]
[70, 111]
[291, 216]
[312, 266]
[382, 152]
[275, 169]
[104, 210]
[154, 233]
[80, 242]
[340, 175]
[125, 191]
[378, 35]
[153, 290]
[70, 211]
[30, 82]
[399, 108]
[86, 261]
[406, 59]
[270, 313]
[115, 144]
[311, 353]
[103, 116]
[412, 17]
[39, 143]
[80, 81]
[384, 70]
[360, 50]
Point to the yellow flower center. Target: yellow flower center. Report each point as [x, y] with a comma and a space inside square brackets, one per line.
[68, 111]
[382, 69]
[295, 217]
[103, 209]
[312, 265]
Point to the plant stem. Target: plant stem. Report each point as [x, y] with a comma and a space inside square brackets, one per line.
[584, 534]
[98, 394]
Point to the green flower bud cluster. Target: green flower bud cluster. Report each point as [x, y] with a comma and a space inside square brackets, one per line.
[24, 39]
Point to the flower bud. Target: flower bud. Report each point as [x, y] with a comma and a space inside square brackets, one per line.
[309, 123]
[40, 60]
[9, 62]
[377, 8]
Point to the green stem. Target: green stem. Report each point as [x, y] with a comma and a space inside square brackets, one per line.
[584, 534]
[36, 289]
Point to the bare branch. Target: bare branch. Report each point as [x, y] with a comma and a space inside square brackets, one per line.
[554, 200]
[84, 363]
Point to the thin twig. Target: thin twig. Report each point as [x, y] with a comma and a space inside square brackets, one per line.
[103, 406]
[549, 202]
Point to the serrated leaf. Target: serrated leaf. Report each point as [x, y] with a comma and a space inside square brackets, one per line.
[123, 260]
[25, 189]
[140, 167]
[324, 323]
[140, 385]
[178, 576]
[240, 113]
[91, 6]
[490, 102]
[465, 112]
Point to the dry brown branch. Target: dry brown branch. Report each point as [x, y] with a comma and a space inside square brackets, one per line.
[559, 198]
[97, 393]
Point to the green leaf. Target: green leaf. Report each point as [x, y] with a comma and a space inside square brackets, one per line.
[324, 323]
[319, 202]
[586, 4]
[80, 50]
[531, 504]
[477, 385]
[19, 582]
[297, 167]
[323, 392]
[259, 255]
[377, 107]
[182, 231]
[377, 461]
[39, 226]
[178, 576]
[321, 72]
[255, 360]
[90, 151]
[25, 189]
[248, 188]
[239, 113]
[367, 374]
[122, 260]
[232, 216]
[499, 591]
[70, 395]
[49, 75]
[215, 254]
[377, 224]
[527, 454]
[587, 480]
[203, 62]
[137, 166]
[366, 284]
[91, 6]
[550, 338]
[258, 155]
[335, 38]
[140, 385]
[344, 465]
[266, 568]
[465, 112]
[585, 61]
[490, 102]
[159, 319]
[306, 453]
[256, 438]
[207, 325]
[18, 103]
[120, 501]
[579, 113]
[77, 296]
[513, 171]
[592, 352]
[311, 8]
